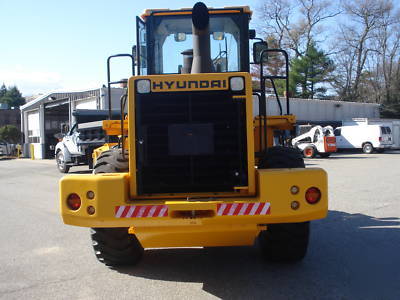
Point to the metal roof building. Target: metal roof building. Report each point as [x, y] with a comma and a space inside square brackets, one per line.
[42, 117]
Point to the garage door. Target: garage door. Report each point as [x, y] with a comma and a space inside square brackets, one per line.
[33, 127]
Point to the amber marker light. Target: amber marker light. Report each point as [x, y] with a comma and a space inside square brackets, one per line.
[294, 189]
[313, 195]
[74, 202]
[295, 205]
[90, 195]
[91, 210]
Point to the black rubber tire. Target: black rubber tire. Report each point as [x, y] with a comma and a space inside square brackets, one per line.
[61, 165]
[111, 161]
[116, 247]
[368, 148]
[281, 157]
[309, 152]
[325, 154]
[286, 242]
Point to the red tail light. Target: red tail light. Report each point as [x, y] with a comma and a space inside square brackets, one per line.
[74, 202]
[380, 139]
[313, 195]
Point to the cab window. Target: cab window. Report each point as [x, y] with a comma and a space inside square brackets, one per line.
[173, 35]
[337, 132]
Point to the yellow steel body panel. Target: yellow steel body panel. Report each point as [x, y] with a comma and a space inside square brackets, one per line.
[284, 122]
[113, 127]
[273, 185]
[158, 83]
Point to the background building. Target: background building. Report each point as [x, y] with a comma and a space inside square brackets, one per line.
[43, 117]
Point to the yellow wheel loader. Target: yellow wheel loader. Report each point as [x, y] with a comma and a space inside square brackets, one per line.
[199, 162]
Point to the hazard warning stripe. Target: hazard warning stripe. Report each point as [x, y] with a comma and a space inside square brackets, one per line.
[141, 211]
[243, 209]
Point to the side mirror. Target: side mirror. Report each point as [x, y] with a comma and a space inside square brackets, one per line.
[258, 47]
[64, 129]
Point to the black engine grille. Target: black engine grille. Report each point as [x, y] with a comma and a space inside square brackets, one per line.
[190, 142]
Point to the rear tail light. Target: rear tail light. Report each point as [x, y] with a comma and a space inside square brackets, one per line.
[313, 195]
[74, 202]
[380, 139]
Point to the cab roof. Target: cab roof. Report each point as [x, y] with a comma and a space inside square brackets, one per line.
[188, 11]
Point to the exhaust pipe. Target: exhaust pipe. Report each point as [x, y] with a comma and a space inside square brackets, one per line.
[201, 39]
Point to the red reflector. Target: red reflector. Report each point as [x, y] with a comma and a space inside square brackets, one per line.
[74, 202]
[313, 195]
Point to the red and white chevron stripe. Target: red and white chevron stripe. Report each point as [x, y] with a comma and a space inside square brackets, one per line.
[141, 211]
[243, 209]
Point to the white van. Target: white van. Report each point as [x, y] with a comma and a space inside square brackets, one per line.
[365, 137]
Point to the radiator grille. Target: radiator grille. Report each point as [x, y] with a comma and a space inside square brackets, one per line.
[190, 142]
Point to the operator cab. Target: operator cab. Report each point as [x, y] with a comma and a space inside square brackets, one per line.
[165, 38]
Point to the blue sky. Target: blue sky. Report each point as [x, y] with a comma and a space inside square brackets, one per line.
[63, 45]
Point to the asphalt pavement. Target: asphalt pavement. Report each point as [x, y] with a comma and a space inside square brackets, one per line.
[354, 253]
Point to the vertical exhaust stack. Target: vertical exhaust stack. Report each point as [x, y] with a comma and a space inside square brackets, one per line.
[201, 39]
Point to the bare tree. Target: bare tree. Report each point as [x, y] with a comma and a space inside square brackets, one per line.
[357, 42]
[295, 24]
[387, 42]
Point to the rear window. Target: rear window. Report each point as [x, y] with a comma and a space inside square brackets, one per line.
[388, 130]
[383, 130]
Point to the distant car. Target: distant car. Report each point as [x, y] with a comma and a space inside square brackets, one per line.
[365, 137]
[5, 148]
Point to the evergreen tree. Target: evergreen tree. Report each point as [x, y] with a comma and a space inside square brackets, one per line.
[3, 90]
[308, 72]
[12, 97]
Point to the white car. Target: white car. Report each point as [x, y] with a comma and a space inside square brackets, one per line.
[365, 137]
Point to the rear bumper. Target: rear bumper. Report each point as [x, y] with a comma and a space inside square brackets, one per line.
[181, 223]
[385, 146]
[271, 205]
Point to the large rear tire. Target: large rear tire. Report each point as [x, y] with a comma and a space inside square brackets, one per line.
[281, 157]
[111, 161]
[114, 246]
[286, 242]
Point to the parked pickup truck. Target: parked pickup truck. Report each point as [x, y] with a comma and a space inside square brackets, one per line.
[77, 145]
[365, 137]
